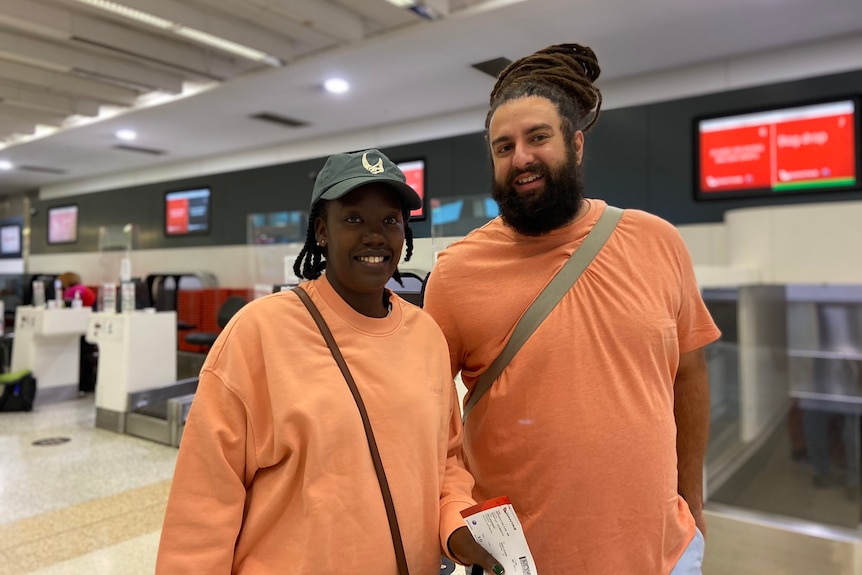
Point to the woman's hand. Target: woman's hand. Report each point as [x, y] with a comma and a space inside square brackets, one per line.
[464, 548]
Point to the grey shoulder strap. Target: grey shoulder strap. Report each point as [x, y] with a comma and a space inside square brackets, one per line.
[547, 300]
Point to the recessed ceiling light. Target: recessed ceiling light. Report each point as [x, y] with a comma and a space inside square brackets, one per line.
[336, 86]
[6, 165]
[126, 135]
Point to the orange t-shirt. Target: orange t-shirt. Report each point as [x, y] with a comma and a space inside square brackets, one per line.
[579, 429]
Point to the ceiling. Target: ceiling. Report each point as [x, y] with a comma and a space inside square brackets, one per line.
[72, 74]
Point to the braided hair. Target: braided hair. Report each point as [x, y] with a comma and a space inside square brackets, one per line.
[309, 264]
[564, 74]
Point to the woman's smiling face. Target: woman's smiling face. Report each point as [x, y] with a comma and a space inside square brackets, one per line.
[363, 234]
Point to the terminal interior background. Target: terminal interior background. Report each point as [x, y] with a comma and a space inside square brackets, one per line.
[84, 476]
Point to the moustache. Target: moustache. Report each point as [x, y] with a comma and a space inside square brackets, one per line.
[535, 170]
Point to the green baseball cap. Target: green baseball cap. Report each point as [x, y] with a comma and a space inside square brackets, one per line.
[343, 173]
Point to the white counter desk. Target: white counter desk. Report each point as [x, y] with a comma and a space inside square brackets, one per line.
[137, 351]
[48, 343]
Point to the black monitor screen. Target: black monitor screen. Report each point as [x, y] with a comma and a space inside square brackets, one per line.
[414, 172]
[806, 148]
[10, 240]
[187, 212]
[63, 225]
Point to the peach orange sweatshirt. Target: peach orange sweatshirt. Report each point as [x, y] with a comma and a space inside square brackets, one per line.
[274, 474]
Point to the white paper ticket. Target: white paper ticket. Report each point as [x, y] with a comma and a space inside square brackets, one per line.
[496, 527]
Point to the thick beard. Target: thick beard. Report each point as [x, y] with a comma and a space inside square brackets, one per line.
[554, 207]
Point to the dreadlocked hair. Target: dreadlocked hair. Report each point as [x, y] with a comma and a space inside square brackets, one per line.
[309, 264]
[563, 74]
[408, 241]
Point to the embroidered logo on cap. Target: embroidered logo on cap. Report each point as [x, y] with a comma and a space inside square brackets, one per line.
[373, 168]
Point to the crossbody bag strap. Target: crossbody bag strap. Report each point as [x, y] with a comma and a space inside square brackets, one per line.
[547, 300]
[400, 556]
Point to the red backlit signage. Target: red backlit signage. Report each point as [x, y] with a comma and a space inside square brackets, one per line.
[414, 173]
[177, 216]
[187, 212]
[805, 148]
[63, 225]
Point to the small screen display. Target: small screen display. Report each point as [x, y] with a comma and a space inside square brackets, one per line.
[187, 212]
[414, 172]
[63, 225]
[10, 240]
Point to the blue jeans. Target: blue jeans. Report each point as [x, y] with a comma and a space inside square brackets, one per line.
[692, 559]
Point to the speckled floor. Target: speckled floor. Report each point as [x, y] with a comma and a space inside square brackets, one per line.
[92, 504]
[95, 503]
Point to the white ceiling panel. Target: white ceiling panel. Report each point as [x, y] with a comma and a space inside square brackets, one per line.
[61, 60]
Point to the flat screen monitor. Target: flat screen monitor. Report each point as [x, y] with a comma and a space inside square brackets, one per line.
[414, 172]
[63, 225]
[10, 240]
[187, 212]
[806, 148]
[277, 227]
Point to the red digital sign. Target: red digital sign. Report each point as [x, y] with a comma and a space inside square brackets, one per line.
[804, 148]
[63, 225]
[414, 173]
[177, 216]
[187, 212]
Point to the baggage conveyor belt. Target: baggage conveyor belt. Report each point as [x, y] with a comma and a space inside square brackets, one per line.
[159, 414]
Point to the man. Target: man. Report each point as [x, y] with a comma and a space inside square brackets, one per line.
[597, 428]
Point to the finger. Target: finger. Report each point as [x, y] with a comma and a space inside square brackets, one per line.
[491, 565]
[493, 568]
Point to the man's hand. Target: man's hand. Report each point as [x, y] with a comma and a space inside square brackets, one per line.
[464, 548]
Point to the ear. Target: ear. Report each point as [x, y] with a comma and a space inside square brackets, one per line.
[578, 144]
[320, 230]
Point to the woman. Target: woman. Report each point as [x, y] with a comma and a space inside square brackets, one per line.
[71, 284]
[274, 473]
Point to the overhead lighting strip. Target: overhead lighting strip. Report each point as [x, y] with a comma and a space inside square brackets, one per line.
[185, 31]
[228, 46]
[130, 13]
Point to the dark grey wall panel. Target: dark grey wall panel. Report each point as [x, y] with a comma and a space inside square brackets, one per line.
[616, 158]
[454, 166]
[638, 157]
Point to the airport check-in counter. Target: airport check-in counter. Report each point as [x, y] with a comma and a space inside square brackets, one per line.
[48, 343]
[137, 352]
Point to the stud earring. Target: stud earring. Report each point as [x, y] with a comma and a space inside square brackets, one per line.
[322, 243]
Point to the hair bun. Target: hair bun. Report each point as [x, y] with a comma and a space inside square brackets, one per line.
[572, 68]
[583, 56]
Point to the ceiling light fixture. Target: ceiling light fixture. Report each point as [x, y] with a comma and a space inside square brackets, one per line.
[126, 135]
[6, 165]
[131, 13]
[336, 86]
[228, 46]
[185, 31]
